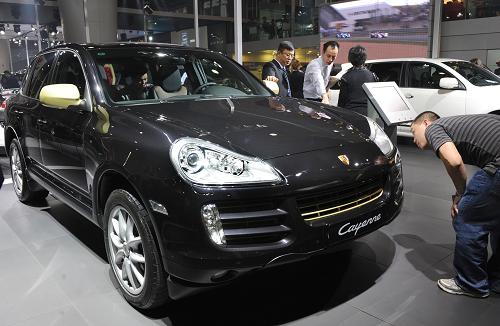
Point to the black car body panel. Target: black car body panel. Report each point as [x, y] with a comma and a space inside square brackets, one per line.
[74, 153]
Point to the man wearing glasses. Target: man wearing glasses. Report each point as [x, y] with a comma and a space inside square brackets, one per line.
[276, 70]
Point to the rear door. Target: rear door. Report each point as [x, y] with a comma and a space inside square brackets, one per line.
[387, 71]
[423, 92]
[27, 106]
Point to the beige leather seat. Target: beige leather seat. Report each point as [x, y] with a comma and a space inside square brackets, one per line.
[171, 86]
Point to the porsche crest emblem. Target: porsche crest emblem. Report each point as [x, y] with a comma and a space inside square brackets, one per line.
[344, 159]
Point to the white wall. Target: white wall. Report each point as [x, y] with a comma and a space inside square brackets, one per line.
[472, 38]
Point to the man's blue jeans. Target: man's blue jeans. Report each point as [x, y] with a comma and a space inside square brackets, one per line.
[478, 217]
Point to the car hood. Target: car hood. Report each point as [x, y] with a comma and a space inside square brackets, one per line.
[265, 127]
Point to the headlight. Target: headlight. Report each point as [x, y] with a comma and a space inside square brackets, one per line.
[205, 163]
[379, 137]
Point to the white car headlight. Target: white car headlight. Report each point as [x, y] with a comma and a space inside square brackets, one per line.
[205, 163]
[379, 137]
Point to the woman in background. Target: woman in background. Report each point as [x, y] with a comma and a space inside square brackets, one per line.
[351, 94]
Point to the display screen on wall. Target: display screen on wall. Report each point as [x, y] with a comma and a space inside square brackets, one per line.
[386, 28]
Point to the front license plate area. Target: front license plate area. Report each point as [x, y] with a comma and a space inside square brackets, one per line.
[355, 227]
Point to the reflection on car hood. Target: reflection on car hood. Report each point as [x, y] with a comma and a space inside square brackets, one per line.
[262, 127]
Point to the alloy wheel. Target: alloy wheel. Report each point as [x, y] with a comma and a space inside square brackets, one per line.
[16, 170]
[127, 252]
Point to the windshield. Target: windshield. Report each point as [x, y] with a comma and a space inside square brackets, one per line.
[475, 75]
[137, 75]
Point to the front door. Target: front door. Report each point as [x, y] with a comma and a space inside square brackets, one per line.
[62, 131]
[424, 94]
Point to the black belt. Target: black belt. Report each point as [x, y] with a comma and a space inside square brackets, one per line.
[490, 168]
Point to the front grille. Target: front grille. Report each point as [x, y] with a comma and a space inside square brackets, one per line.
[341, 199]
[253, 224]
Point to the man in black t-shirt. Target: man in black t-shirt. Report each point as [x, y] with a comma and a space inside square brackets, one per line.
[475, 209]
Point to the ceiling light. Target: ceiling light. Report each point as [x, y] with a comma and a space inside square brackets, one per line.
[52, 29]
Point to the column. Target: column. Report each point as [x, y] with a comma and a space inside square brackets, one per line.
[5, 63]
[238, 33]
[89, 21]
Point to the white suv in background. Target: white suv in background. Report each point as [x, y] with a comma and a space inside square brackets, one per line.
[445, 86]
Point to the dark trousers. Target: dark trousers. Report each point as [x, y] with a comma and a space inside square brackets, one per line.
[478, 217]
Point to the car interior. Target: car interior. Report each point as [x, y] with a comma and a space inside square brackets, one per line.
[171, 77]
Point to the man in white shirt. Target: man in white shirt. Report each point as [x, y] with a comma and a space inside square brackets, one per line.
[317, 77]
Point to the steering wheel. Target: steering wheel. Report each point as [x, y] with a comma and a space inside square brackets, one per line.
[202, 86]
[474, 80]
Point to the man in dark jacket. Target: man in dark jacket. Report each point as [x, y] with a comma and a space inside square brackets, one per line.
[351, 94]
[497, 71]
[475, 208]
[297, 79]
[9, 81]
[276, 70]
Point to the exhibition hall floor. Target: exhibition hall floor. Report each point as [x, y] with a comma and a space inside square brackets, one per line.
[53, 271]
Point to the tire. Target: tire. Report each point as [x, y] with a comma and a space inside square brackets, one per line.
[19, 176]
[132, 251]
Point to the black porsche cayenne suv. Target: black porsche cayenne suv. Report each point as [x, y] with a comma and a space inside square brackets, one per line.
[195, 171]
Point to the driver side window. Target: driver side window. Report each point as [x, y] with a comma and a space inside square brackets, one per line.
[425, 75]
[69, 71]
[39, 75]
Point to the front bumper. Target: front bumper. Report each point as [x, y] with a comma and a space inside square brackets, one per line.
[194, 262]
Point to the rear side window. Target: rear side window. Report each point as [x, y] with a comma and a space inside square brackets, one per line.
[39, 74]
[425, 75]
[387, 71]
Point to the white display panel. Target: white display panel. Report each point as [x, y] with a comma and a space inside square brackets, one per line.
[389, 102]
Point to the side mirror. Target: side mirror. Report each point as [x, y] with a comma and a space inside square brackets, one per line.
[449, 83]
[60, 96]
[272, 86]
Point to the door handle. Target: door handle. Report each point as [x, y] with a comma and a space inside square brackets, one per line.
[409, 96]
[41, 121]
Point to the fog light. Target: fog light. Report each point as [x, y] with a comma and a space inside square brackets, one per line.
[210, 216]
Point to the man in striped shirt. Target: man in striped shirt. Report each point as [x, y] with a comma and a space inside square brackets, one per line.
[475, 209]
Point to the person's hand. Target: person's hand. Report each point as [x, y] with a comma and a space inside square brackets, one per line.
[325, 99]
[272, 78]
[455, 199]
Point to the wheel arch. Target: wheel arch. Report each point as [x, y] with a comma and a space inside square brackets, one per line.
[112, 179]
[10, 134]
